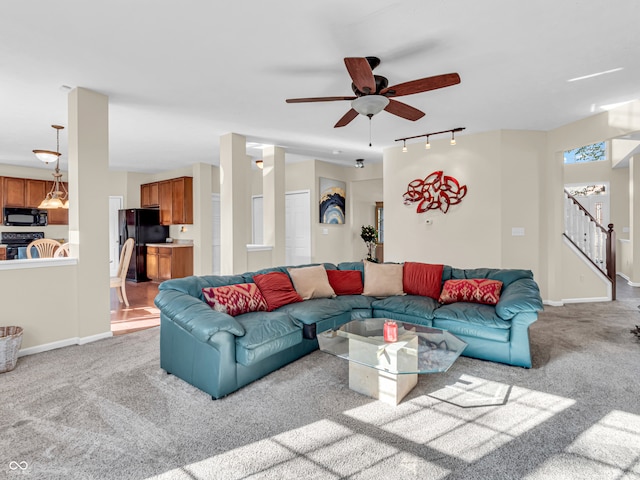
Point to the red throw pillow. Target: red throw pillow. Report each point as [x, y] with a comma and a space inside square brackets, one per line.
[345, 282]
[277, 289]
[422, 279]
[235, 299]
[475, 290]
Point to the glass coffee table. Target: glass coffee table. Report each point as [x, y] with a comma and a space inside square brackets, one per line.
[388, 370]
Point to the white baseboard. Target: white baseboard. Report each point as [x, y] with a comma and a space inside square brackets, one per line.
[586, 300]
[629, 282]
[553, 303]
[63, 343]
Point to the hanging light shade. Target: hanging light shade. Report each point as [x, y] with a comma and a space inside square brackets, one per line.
[47, 156]
[58, 197]
[369, 105]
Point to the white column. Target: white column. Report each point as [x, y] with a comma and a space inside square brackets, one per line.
[235, 204]
[89, 207]
[202, 219]
[634, 217]
[273, 202]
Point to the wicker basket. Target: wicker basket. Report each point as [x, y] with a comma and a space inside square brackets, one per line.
[10, 341]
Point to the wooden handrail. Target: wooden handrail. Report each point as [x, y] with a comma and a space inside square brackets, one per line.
[610, 245]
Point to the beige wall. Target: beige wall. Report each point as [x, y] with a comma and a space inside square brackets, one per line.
[469, 235]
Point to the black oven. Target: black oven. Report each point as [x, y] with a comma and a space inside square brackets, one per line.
[17, 242]
[25, 217]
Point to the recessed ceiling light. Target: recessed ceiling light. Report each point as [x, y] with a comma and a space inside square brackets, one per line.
[337, 152]
[595, 74]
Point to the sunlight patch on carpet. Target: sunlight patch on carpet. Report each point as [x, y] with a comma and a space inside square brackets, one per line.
[465, 433]
[609, 449]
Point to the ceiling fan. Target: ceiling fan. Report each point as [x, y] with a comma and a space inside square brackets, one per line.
[372, 93]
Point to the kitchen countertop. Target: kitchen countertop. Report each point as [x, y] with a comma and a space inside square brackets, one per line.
[170, 245]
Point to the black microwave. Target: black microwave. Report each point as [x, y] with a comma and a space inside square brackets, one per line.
[25, 217]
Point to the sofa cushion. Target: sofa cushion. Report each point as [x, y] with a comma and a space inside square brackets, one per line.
[311, 282]
[266, 333]
[235, 299]
[193, 285]
[422, 279]
[345, 282]
[507, 276]
[475, 290]
[472, 320]
[277, 289]
[409, 305]
[355, 301]
[315, 310]
[382, 279]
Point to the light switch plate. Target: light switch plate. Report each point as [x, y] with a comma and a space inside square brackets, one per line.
[517, 231]
[325, 231]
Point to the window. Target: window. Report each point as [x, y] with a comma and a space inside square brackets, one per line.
[596, 152]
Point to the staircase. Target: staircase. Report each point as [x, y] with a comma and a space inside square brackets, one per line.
[596, 242]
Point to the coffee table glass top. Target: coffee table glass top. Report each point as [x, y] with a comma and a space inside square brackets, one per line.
[419, 349]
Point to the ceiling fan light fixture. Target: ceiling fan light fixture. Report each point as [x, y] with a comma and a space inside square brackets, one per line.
[369, 105]
[260, 164]
[359, 163]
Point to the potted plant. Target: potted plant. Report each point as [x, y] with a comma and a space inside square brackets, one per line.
[370, 236]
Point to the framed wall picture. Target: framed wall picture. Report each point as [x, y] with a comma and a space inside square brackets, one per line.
[332, 201]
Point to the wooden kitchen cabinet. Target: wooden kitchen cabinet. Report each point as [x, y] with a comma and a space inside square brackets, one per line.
[182, 200]
[149, 196]
[14, 192]
[166, 202]
[168, 262]
[35, 191]
[57, 216]
[3, 253]
[174, 198]
[29, 193]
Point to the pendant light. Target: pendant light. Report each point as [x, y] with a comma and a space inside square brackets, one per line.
[58, 197]
[47, 156]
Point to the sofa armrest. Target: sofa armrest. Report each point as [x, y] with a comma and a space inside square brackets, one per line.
[195, 316]
[520, 296]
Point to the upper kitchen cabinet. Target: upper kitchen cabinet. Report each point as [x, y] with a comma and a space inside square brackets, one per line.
[182, 200]
[149, 197]
[174, 198]
[35, 191]
[14, 192]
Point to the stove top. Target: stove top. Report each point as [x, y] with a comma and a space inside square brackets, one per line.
[19, 238]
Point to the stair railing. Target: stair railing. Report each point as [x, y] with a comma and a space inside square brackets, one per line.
[596, 242]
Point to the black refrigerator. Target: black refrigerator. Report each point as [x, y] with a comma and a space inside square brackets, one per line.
[143, 225]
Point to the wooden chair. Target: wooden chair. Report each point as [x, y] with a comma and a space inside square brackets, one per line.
[45, 247]
[119, 281]
[62, 251]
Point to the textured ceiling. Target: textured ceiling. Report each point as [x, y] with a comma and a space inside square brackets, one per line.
[180, 74]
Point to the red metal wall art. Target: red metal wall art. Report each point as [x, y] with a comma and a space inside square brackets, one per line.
[436, 191]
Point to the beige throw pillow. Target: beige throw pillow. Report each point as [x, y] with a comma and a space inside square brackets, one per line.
[311, 282]
[382, 279]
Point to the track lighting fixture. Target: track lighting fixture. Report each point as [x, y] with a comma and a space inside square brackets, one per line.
[427, 145]
[359, 163]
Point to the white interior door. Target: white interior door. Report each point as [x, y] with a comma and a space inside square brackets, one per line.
[115, 204]
[215, 220]
[298, 228]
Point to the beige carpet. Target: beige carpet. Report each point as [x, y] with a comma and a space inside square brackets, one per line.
[106, 411]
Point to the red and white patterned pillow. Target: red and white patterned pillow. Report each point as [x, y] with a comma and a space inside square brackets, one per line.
[235, 299]
[475, 290]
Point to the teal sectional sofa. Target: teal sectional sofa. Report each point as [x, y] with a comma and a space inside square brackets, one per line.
[219, 353]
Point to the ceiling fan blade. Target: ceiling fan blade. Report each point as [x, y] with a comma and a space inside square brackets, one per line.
[422, 85]
[350, 115]
[403, 110]
[361, 74]
[317, 99]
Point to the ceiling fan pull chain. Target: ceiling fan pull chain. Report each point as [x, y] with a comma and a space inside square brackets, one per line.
[370, 130]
